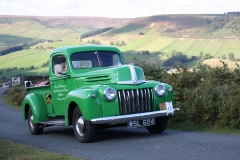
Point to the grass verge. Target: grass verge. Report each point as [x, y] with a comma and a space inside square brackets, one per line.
[6, 100]
[14, 96]
[203, 128]
[11, 150]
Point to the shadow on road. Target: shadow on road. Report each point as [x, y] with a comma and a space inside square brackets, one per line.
[110, 134]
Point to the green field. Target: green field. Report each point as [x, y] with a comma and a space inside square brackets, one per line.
[157, 44]
[133, 50]
[180, 45]
[24, 58]
[189, 34]
[230, 46]
[134, 45]
[70, 42]
[206, 46]
[28, 31]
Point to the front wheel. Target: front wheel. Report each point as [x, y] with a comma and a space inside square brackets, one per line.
[83, 129]
[34, 128]
[160, 125]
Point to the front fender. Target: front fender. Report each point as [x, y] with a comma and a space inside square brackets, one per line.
[89, 105]
[37, 105]
[169, 96]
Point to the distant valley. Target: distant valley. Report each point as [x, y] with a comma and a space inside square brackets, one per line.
[208, 38]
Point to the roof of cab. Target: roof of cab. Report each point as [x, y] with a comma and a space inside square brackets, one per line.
[85, 47]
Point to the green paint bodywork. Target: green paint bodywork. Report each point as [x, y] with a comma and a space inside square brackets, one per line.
[85, 88]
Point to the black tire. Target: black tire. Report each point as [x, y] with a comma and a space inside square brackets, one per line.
[160, 125]
[83, 129]
[35, 129]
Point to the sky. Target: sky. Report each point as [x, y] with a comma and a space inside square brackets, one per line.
[116, 8]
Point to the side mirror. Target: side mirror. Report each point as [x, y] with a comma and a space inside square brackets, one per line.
[58, 70]
[28, 83]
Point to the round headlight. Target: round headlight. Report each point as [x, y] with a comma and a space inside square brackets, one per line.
[160, 89]
[110, 94]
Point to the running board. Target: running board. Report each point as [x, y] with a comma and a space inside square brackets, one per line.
[53, 123]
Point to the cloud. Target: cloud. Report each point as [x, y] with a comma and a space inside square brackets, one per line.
[116, 8]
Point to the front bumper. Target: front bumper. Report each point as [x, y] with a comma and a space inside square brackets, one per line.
[131, 117]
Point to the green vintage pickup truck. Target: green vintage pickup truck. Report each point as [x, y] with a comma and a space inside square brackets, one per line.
[91, 87]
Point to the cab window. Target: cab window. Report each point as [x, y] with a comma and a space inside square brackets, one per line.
[60, 60]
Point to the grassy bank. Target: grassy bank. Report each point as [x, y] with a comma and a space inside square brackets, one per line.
[7, 101]
[195, 127]
[10, 150]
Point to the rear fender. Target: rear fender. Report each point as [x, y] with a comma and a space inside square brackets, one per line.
[37, 105]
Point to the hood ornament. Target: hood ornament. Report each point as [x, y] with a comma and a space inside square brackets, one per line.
[133, 75]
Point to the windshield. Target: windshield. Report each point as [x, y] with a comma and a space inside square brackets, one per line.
[95, 59]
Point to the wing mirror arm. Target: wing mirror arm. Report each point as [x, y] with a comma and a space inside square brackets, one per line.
[65, 74]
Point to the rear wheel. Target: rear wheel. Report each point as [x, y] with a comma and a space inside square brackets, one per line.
[34, 128]
[160, 125]
[83, 129]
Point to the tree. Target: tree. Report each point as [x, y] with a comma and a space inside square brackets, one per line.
[93, 41]
[200, 55]
[224, 56]
[97, 42]
[26, 47]
[95, 32]
[146, 52]
[207, 56]
[176, 59]
[112, 43]
[117, 43]
[140, 33]
[231, 56]
[176, 53]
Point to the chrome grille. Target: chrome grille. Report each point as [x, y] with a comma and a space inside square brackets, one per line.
[135, 101]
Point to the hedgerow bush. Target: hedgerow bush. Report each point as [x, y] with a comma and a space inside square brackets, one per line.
[207, 95]
[16, 95]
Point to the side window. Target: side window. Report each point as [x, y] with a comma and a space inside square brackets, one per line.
[60, 60]
[116, 59]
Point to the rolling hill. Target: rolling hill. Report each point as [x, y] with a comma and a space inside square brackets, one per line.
[18, 29]
[217, 35]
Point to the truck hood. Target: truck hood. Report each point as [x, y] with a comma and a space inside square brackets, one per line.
[123, 74]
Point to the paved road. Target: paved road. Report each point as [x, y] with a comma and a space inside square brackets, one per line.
[122, 143]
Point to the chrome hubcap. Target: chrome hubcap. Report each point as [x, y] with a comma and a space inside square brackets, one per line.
[31, 122]
[80, 126]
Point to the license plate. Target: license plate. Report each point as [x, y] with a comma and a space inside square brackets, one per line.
[140, 123]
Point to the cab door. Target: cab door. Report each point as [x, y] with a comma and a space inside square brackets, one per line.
[60, 86]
